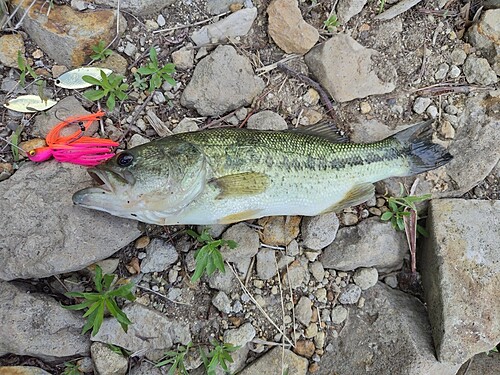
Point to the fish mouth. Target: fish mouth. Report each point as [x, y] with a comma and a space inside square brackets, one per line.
[106, 193]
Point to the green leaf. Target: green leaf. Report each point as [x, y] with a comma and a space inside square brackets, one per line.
[94, 95]
[386, 215]
[79, 306]
[92, 308]
[400, 223]
[153, 55]
[98, 319]
[145, 71]
[110, 103]
[422, 231]
[92, 80]
[98, 278]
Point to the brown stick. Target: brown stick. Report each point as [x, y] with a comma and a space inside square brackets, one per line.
[315, 85]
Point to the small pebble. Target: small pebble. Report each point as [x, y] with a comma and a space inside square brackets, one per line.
[365, 278]
[458, 56]
[305, 348]
[454, 72]
[451, 109]
[421, 104]
[447, 130]
[160, 20]
[365, 107]
[432, 111]
[258, 284]
[339, 314]
[350, 295]
[130, 49]
[311, 330]
[442, 71]
[391, 280]
[375, 211]
[349, 219]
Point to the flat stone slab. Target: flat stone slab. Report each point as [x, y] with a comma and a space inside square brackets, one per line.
[43, 233]
[38, 326]
[66, 35]
[389, 335]
[461, 278]
[371, 243]
[348, 71]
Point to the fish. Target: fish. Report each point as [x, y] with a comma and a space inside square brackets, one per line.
[29, 104]
[74, 78]
[226, 175]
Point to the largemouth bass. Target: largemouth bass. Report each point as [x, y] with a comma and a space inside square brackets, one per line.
[221, 176]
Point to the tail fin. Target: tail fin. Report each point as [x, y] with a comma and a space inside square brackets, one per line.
[417, 145]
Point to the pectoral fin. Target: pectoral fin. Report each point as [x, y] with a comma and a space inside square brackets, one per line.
[241, 184]
[357, 195]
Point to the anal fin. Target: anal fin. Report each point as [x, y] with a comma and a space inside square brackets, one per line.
[240, 216]
[241, 184]
[357, 195]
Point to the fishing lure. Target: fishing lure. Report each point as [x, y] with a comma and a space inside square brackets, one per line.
[75, 148]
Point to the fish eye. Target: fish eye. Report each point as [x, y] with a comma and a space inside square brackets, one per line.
[124, 159]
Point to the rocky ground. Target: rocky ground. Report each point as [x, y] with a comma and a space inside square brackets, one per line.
[323, 295]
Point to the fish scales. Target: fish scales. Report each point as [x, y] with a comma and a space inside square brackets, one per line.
[290, 151]
[229, 175]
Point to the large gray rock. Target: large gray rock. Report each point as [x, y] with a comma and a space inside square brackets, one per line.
[346, 9]
[277, 362]
[482, 364]
[475, 147]
[236, 24]
[485, 34]
[319, 231]
[67, 36]
[150, 331]
[248, 245]
[160, 255]
[221, 82]
[43, 233]
[369, 244]
[107, 361]
[38, 326]
[389, 335]
[142, 7]
[66, 107]
[22, 370]
[267, 120]
[348, 71]
[288, 29]
[461, 278]
[477, 70]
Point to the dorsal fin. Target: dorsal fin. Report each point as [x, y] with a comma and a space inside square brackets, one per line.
[323, 129]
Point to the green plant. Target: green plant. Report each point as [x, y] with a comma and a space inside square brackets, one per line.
[382, 6]
[219, 356]
[25, 69]
[140, 83]
[97, 303]
[14, 141]
[71, 369]
[100, 51]
[401, 207]
[208, 257]
[111, 86]
[176, 360]
[157, 74]
[331, 22]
